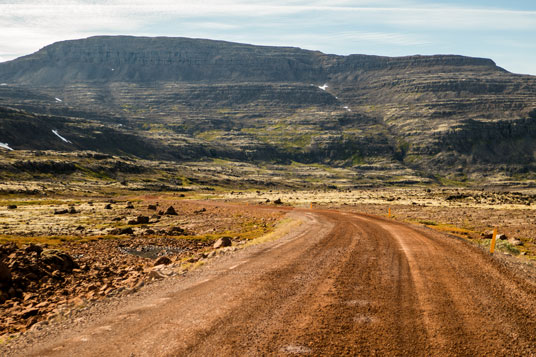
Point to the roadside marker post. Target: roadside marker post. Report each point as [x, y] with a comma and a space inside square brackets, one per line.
[311, 205]
[492, 245]
[389, 212]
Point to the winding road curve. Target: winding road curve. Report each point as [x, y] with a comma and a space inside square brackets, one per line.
[340, 284]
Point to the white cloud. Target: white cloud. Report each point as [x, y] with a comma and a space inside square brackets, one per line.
[128, 15]
[351, 40]
[28, 25]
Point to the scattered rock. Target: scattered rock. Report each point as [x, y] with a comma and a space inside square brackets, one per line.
[34, 248]
[73, 210]
[200, 210]
[120, 231]
[108, 206]
[515, 242]
[12, 207]
[175, 230]
[61, 211]
[58, 259]
[278, 202]
[456, 197]
[139, 220]
[28, 312]
[155, 275]
[152, 207]
[142, 219]
[162, 260]
[223, 242]
[487, 235]
[130, 205]
[171, 211]
[5, 276]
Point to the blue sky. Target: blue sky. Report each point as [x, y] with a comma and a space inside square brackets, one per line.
[502, 30]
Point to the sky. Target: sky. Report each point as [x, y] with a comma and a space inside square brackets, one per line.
[504, 31]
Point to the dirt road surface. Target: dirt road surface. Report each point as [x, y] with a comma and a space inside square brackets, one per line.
[340, 284]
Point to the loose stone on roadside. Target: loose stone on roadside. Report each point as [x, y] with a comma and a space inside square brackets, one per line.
[171, 211]
[223, 242]
[162, 260]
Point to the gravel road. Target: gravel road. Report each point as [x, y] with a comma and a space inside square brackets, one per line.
[340, 284]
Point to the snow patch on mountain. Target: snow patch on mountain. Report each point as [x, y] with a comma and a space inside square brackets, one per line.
[5, 146]
[61, 137]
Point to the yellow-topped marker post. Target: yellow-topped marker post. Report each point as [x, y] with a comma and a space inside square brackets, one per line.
[493, 239]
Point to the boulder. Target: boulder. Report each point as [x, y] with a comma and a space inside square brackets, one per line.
[130, 205]
[108, 206]
[61, 211]
[34, 248]
[171, 211]
[120, 231]
[73, 210]
[12, 207]
[162, 260]
[489, 235]
[164, 270]
[142, 219]
[3, 296]
[223, 242]
[139, 220]
[155, 275]
[5, 276]
[7, 249]
[515, 242]
[29, 312]
[175, 230]
[58, 260]
[152, 207]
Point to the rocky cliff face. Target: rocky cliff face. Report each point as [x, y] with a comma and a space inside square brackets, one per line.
[189, 99]
[135, 59]
[144, 59]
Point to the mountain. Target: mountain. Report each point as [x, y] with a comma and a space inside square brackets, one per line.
[145, 60]
[436, 117]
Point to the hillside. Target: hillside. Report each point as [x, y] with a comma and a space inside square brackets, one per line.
[407, 119]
